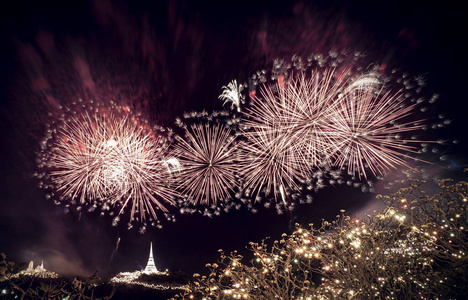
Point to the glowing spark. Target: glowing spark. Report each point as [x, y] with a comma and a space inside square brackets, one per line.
[111, 143]
[172, 164]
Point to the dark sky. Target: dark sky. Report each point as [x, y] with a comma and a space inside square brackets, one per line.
[174, 56]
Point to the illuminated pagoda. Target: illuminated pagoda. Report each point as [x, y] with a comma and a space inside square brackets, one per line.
[134, 277]
[39, 271]
[150, 266]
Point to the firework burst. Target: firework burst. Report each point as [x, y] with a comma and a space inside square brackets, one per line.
[207, 163]
[108, 158]
[300, 110]
[368, 129]
[269, 163]
[288, 131]
[232, 93]
[315, 117]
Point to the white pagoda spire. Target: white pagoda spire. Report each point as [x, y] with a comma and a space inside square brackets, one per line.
[150, 266]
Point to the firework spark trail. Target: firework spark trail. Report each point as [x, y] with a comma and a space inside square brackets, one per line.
[207, 159]
[268, 162]
[308, 103]
[232, 93]
[288, 131]
[115, 250]
[109, 159]
[367, 133]
[300, 110]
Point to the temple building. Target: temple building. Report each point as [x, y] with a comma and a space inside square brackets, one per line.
[150, 266]
[39, 271]
[150, 269]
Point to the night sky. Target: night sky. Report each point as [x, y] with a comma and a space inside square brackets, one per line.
[167, 58]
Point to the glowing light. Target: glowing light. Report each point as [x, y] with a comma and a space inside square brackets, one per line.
[172, 164]
[356, 243]
[111, 143]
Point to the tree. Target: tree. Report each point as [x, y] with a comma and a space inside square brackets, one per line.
[414, 248]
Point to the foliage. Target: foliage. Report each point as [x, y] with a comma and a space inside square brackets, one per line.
[414, 248]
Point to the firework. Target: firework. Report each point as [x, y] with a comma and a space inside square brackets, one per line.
[368, 128]
[314, 120]
[232, 93]
[269, 162]
[288, 131]
[108, 158]
[207, 163]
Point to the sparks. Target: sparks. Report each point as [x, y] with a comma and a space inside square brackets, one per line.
[109, 159]
[207, 159]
